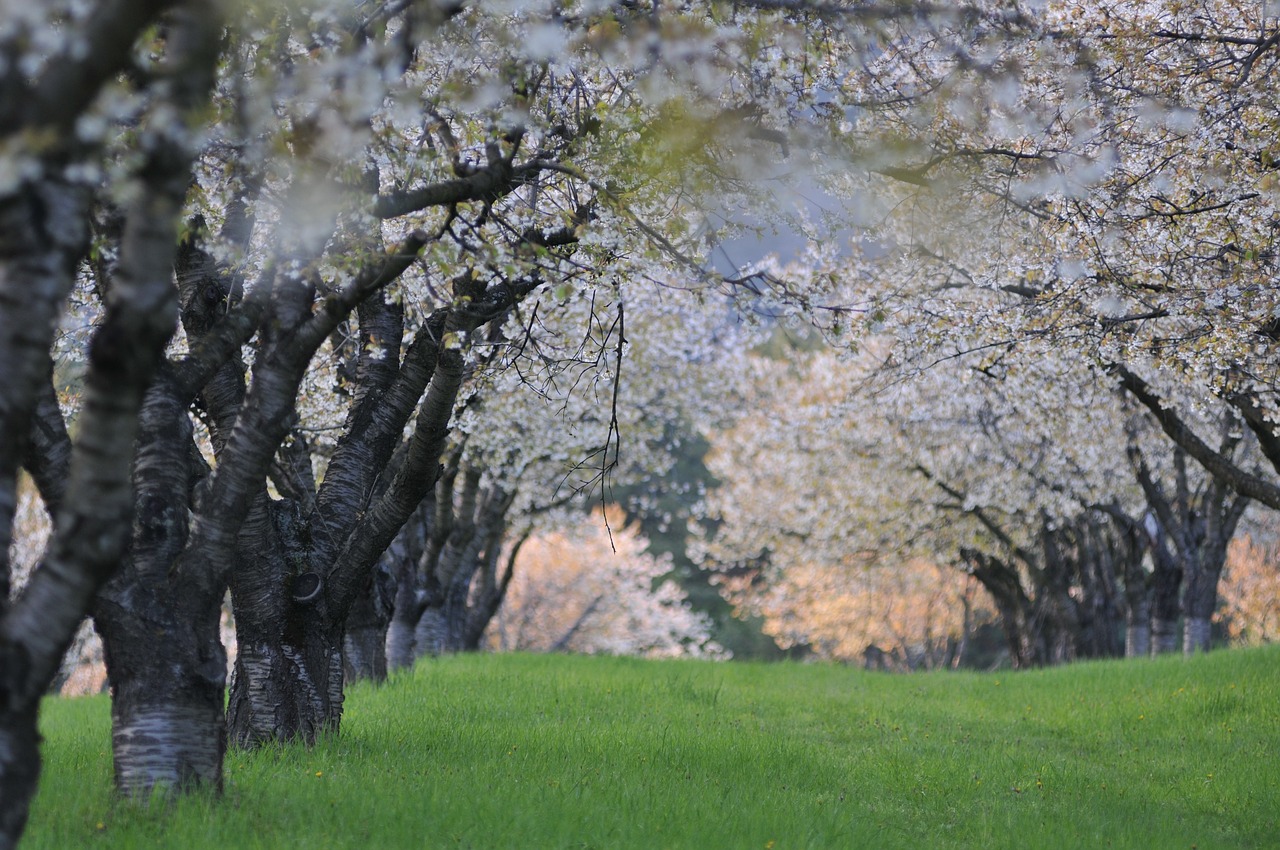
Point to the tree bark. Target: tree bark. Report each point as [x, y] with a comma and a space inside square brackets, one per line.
[1196, 635]
[364, 646]
[285, 689]
[287, 681]
[166, 692]
[92, 526]
[1166, 594]
[1137, 633]
[19, 768]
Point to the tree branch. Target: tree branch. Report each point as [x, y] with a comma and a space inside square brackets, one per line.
[1243, 482]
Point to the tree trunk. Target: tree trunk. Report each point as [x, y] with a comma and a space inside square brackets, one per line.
[401, 640]
[35, 275]
[364, 654]
[1164, 635]
[1014, 607]
[1137, 633]
[1137, 603]
[167, 670]
[163, 738]
[1166, 585]
[1204, 569]
[1199, 598]
[165, 661]
[364, 647]
[42, 236]
[1195, 636]
[430, 634]
[282, 690]
[19, 769]
[287, 681]
[1106, 550]
[408, 602]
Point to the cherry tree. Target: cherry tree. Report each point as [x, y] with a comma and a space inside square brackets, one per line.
[976, 460]
[544, 432]
[1114, 193]
[1095, 179]
[386, 187]
[590, 587]
[53, 151]
[388, 182]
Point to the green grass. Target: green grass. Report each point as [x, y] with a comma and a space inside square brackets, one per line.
[557, 752]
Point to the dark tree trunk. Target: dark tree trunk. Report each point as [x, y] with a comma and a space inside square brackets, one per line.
[166, 692]
[168, 695]
[1166, 586]
[1104, 548]
[287, 681]
[1014, 607]
[401, 640]
[408, 603]
[36, 273]
[364, 647]
[1134, 546]
[1137, 634]
[292, 606]
[1195, 525]
[1059, 616]
[1219, 514]
[461, 588]
[19, 768]
[42, 236]
[165, 662]
[286, 688]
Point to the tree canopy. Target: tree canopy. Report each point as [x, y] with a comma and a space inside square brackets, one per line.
[331, 305]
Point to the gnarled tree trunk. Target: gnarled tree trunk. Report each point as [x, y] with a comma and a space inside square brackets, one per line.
[165, 662]
[287, 681]
[92, 524]
[167, 727]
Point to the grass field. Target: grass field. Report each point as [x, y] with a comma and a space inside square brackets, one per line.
[516, 751]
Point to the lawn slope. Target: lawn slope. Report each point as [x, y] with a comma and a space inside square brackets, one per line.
[559, 752]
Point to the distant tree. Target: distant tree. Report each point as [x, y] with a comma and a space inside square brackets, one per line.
[909, 616]
[591, 590]
[976, 463]
[1250, 608]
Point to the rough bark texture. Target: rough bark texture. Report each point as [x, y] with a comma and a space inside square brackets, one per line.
[364, 647]
[169, 743]
[43, 233]
[37, 259]
[164, 656]
[167, 693]
[285, 689]
[164, 659]
[287, 682]
[289, 685]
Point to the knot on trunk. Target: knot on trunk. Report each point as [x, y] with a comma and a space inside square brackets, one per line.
[306, 587]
